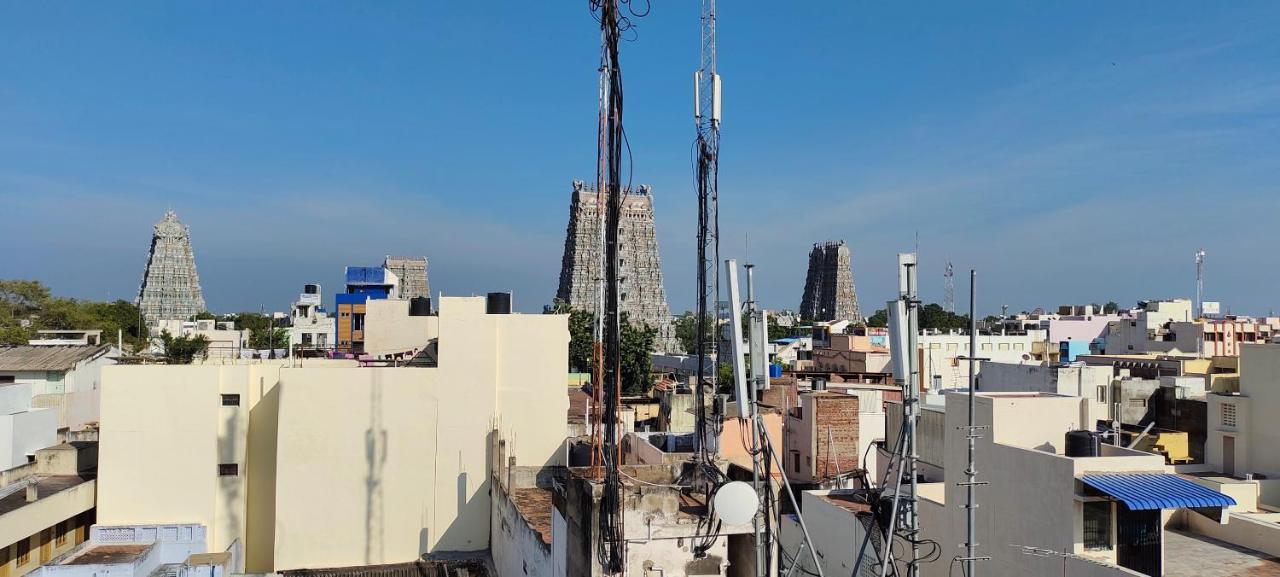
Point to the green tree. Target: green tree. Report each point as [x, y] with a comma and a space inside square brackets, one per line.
[1111, 307]
[686, 329]
[206, 316]
[184, 349]
[268, 338]
[879, 319]
[637, 344]
[581, 340]
[933, 316]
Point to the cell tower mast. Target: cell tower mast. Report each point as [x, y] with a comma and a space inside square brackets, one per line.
[949, 288]
[1199, 283]
[706, 116]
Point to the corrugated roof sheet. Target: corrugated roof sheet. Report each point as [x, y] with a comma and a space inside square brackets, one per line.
[1147, 491]
[51, 358]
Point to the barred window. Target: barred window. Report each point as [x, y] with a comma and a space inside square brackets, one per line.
[1097, 525]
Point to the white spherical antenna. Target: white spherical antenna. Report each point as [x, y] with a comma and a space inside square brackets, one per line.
[736, 503]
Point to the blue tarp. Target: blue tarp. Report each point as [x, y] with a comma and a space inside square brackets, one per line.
[1147, 491]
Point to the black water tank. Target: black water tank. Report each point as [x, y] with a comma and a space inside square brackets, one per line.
[311, 289]
[420, 307]
[1083, 444]
[498, 304]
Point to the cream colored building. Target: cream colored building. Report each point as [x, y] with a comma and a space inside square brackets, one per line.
[331, 464]
[1243, 431]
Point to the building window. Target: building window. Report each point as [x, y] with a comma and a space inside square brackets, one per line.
[24, 551]
[1229, 416]
[228, 469]
[231, 400]
[1137, 402]
[1004, 346]
[795, 461]
[986, 346]
[60, 534]
[1017, 346]
[5, 379]
[1102, 393]
[1097, 525]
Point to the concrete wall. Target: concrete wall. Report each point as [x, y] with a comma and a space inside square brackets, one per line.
[1243, 530]
[388, 328]
[343, 465]
[516, 548]
[23, 433]
[1089, 382]
[837, 534]
[1260, 381]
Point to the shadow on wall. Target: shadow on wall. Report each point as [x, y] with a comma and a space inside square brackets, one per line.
[375, 450]
[469, 531]
[260, 456]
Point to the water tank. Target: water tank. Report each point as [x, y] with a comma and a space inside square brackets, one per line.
[775, 371]
[1083, 444]
[420, 306]
[819, 384]
[311, 289]
[498, 304]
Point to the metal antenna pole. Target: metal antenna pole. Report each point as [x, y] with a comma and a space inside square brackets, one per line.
[786, 484]
[913, 320]
[761, 558]
[706, 116]
[971, 432]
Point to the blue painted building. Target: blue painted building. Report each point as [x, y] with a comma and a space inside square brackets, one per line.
[363, 284]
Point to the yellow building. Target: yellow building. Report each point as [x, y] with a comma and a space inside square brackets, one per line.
[47, 511]
[331, 464]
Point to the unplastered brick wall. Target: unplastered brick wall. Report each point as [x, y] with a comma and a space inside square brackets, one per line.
[837, 413]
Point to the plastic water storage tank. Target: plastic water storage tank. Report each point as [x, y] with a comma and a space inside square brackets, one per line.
[420, 306]
[1083, 444]
[498, 304]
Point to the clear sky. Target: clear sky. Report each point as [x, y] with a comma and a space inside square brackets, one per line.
[1071, 152]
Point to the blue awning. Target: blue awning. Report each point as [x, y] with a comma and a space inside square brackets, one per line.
[1146, 491]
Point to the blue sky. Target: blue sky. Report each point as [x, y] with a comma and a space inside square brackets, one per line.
[1071, 152]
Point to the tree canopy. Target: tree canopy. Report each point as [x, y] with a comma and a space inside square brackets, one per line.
[637, 344]
[27, 306]
[181, 350]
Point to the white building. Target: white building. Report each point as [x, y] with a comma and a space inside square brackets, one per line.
[225, 341]
[1077, 380]
[942, 366]
[1243, 431]
[311, 326]
[23, 428]
[63, 378]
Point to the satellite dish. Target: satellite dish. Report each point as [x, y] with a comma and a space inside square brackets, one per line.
[736, 503]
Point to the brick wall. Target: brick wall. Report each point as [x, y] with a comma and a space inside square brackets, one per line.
[839, 414]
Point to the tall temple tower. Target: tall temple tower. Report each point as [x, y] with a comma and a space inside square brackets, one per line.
[170, 286]
[412, 271]
[640, 272]
[829, 294]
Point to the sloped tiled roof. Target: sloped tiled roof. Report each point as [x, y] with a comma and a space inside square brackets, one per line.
[51, 358]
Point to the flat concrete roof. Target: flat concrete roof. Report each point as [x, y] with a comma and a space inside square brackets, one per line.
[45, 487]
[108, 554]
[1191, 555]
